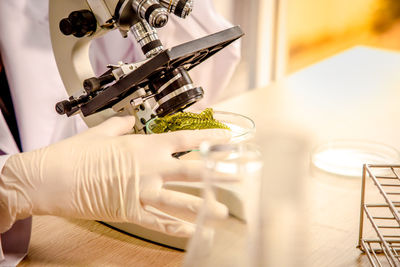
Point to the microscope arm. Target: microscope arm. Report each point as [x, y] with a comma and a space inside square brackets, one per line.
[72, 54]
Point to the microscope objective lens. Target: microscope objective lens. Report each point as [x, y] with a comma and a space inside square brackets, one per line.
[181, 8]
[160, 21]
[151, 10]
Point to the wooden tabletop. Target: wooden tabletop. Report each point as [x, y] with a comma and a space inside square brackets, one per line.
[353, 95]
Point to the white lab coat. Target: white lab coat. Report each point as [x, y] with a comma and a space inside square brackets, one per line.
[36, 85]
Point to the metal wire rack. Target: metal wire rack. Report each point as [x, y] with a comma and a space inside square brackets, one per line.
[381, 244]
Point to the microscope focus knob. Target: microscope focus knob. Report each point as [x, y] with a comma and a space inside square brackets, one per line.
[66, 106]
[93, 84]
[63, 107]
[79, 23]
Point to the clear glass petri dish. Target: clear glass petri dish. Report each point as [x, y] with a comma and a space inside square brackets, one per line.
[347, 157]
[243, 128]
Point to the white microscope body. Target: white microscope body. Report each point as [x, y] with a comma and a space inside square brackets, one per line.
[73, 24]
[157, 86]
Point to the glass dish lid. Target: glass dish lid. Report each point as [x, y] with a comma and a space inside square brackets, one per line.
[347, 157]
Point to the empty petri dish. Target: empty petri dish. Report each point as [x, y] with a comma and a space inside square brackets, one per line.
[242, 127]
[347, 157]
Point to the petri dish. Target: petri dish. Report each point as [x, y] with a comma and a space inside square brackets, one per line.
[242, 127]
[347, 157]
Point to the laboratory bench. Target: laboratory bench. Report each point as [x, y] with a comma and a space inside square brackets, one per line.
[352, 95]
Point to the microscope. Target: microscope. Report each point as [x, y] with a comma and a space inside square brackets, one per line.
[157, 86]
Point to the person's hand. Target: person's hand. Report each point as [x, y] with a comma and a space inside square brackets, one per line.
[103, 174]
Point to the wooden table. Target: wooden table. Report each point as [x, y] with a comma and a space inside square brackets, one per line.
[354, 95]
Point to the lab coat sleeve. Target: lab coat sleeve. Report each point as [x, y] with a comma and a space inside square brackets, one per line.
[15, 242]
[3, 160]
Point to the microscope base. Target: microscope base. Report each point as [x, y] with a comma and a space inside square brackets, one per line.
[228, 195]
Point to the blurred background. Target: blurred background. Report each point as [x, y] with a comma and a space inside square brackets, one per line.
[284, 36]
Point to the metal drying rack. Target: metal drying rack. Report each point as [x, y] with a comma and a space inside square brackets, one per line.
[381, 244]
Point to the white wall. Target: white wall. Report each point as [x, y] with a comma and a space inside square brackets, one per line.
[225, 8]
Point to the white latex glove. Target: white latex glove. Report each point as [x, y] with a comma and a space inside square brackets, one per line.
[102, 174]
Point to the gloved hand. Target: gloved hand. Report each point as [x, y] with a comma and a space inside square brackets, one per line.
[102, 174]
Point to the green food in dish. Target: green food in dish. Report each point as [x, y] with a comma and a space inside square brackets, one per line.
[187, 121]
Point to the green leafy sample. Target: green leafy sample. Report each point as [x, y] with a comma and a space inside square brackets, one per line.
[187, 121]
